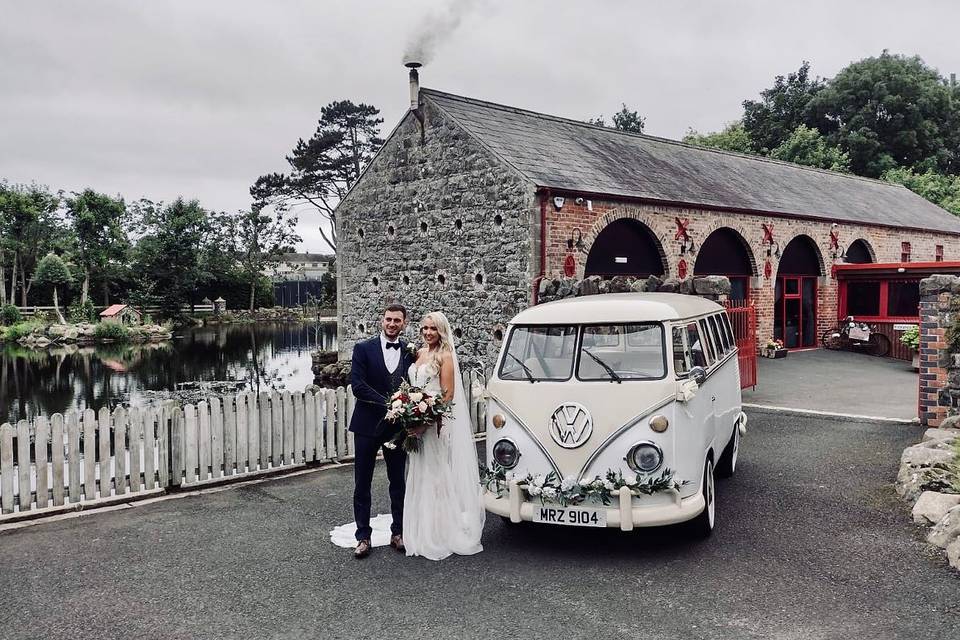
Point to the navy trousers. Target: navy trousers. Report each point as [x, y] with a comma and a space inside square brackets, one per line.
[366, 459]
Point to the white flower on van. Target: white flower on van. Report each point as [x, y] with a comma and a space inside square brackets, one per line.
[549, 493]
[608, 485]
[539, 481]
[534, 490]
[568, 483]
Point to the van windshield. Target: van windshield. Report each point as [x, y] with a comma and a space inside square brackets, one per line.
[539, 353]
[622, 352]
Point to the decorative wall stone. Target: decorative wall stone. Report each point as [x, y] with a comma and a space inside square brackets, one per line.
[939, 366]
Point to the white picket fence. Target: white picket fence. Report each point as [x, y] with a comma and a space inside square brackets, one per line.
[81, 458]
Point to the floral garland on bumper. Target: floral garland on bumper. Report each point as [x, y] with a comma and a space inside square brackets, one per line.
[569, 491]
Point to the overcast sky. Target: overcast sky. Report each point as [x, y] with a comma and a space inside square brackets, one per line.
[199, 97]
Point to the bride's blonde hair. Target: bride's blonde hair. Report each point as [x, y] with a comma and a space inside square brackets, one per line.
[446, 340]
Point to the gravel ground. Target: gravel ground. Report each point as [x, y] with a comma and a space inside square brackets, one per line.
[811, 542]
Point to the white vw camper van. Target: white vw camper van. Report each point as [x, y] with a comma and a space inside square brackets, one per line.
[614, 410]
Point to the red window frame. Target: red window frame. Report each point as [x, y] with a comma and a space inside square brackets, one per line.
[884, 301]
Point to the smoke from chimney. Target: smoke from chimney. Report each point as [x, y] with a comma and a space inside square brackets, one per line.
[434, 29]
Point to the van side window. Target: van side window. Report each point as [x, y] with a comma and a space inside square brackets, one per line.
[719, 337]
[682, 358]
[725, 326]
[698, 349]
[708, 351]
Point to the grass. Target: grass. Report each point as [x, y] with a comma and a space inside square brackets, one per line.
[17, 331]
[111, 331]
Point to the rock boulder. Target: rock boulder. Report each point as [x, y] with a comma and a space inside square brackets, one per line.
[932, 506]
[946, 530]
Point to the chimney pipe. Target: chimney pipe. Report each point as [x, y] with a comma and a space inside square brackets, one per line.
[413, 65]
[414, 84]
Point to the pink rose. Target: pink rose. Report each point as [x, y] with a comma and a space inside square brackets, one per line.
[422, 407]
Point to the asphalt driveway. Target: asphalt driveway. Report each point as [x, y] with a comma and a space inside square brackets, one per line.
[811, 543]
[837, 382]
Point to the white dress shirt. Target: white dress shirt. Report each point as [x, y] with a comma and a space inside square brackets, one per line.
[391, 357]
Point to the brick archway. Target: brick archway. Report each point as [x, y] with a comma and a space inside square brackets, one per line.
[646, 221]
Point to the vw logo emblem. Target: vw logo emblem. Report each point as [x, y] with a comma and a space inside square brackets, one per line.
[571, 425]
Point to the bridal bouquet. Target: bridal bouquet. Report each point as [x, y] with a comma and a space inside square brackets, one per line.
[412, 407]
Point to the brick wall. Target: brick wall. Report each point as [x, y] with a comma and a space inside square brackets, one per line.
[939, 370]
[591, 216]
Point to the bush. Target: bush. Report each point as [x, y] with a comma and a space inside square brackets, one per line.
[911, 338]
[21, 329]
[111, 331]
[10, 315]
[81, 312]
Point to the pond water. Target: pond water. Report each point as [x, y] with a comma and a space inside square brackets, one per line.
[256, 357]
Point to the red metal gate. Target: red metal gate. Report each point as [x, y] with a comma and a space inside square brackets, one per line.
[743, 321]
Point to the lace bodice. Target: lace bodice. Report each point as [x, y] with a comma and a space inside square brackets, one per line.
[426, 377]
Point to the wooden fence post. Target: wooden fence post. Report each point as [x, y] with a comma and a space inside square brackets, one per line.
[41, 434]
[56, 437]
[24, 497]
[6, 468]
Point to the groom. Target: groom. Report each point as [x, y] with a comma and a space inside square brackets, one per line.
[379, 366]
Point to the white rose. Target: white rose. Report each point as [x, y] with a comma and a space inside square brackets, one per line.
[416, 396]
[608, 485]
[396, 395]
[396, 404]
[534, 490]
[568, 483]
[538, 481]
[422, 407]
[549, 492]
[430, 400]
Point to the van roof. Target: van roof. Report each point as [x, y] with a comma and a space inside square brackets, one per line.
[617, 307]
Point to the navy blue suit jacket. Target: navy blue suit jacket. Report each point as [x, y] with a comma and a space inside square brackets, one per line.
[370, 381]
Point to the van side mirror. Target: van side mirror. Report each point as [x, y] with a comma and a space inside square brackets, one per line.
[698, 375]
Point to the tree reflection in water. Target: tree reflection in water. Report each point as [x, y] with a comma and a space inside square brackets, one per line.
[256, 357]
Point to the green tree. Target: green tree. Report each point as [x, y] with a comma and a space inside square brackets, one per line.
[323, 168]
[806, 146]
[101, 240]
[781, 109]
[891, 111]
[29, 227]
[259, 242]
[733, 137]
[53, 272]
[167, 257]
[937, 188]
[623, 120]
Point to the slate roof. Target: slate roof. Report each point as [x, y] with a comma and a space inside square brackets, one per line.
[569, 155]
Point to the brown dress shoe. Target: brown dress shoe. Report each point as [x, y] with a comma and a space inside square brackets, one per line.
[397, 543]
[362, 550]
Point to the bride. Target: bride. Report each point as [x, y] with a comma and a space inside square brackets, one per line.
[443, 509]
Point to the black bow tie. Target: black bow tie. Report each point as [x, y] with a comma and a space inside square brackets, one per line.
[393, 345]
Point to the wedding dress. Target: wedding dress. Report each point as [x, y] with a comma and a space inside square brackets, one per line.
[443, 509]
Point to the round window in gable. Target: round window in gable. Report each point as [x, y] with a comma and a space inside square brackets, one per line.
[498, 220]
[442, 279]
[391, 230]
[458, 223]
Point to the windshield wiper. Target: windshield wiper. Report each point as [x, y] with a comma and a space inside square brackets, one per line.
[613, 374]
[526, 369]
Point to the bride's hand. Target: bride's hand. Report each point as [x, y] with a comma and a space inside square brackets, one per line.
[416, 431]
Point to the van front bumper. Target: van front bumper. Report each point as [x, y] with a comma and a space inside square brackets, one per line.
[621, 513]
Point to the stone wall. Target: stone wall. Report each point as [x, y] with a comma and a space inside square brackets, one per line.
[436, 224]
[939, 361]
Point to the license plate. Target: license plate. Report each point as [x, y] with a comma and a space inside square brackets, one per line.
[574, 516]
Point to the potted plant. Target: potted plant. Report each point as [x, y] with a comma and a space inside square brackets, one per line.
[774, 349]
[911, 339]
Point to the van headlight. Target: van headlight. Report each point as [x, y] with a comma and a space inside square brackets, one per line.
[644, 457]
[506, 454]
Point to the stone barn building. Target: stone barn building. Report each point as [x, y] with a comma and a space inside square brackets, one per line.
[470, 205]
